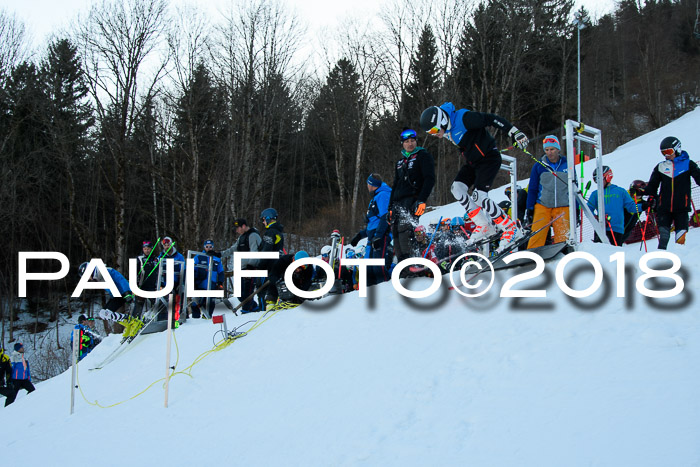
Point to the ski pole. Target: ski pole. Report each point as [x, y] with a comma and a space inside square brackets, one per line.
[549, 169]
[588, 187]
[433, 236]
[695, 214]
[149, 256]
[644, 240]
[161, 259]
[607, 218]
[644, 231]
[340, 259]
[250, 297]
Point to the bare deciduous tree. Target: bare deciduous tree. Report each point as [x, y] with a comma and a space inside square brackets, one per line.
[120, 46]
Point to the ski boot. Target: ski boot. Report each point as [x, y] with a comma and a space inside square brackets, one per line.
[509, 232]
[484, 228]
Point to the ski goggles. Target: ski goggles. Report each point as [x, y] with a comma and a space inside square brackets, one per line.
[407, 134]
[668, 151]
[550, 141]
[434, 130]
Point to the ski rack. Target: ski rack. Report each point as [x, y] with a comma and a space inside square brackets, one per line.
[577, 131]
[510, 164]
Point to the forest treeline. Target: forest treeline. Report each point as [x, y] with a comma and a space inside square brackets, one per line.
[146, 119]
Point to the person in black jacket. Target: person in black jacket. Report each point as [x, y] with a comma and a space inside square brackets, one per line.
[673, 200]
[302, 277]
[521, 201]
[147, 267]
[414, 180]
[272, 240]
[249, 239]
[5, 377]
[467, 130]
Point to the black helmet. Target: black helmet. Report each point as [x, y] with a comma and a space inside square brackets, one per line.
[668, 143]
[268, 214]
[638, 187]
[607, 174]
[434, 119]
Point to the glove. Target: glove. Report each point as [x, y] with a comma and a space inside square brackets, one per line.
[129, 297]
[529, 216]
[418, 208]
[653, 203]
[355, 240]
[377, 243]
[519, 138]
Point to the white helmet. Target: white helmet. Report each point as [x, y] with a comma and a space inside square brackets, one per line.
[326, 250]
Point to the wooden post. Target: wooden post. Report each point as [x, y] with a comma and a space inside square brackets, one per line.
[76, 347]
[169, 333]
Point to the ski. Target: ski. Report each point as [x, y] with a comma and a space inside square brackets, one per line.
[512, 247]
[126, 340]
[335, 237]
[281, 305]
[417, 271]
[247, 299]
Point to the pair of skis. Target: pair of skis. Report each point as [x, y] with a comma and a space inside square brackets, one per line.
[511, 247]
[127, 339]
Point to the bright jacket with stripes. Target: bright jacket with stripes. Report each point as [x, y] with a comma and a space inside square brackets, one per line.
[674, 178]
[19, 371]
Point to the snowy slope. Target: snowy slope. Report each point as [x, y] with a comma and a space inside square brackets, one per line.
[446, 380]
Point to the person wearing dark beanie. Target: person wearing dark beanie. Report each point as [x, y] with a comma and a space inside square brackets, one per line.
[377, 230]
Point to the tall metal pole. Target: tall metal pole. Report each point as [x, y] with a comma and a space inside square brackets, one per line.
[578, 33]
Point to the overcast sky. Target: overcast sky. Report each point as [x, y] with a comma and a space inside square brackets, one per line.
[42, 17]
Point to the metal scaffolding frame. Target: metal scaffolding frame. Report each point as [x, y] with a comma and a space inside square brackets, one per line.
[577, 131]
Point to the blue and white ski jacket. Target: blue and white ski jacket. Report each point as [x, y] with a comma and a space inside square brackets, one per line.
[18, 369]
[200, 273]
[121, 283]
[467, 130]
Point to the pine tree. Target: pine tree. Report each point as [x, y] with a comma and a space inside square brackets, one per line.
[333, 121]
[424, 80]
[198, 137]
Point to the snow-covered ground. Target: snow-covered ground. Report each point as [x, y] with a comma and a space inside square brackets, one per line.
[382, 380]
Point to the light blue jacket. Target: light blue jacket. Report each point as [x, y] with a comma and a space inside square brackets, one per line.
[616, 199]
